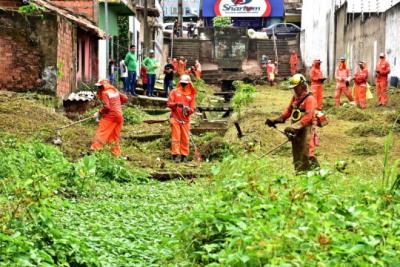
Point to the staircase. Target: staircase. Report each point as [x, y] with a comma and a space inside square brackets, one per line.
[188, 48]
[284, 48]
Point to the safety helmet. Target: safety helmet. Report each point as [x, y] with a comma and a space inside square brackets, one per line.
[382, 55]
[296, 80]
[185, 79]
[100, 82]
[151, 51]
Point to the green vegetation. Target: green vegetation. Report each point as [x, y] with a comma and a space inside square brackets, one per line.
[257, 215]
[31, 9]
[133, 115]
[97, 210]
[244, 95]
[222, 22]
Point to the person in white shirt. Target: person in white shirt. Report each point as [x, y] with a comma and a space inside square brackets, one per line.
[123, 74]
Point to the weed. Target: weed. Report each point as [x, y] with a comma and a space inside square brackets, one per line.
[351, 113]
[365, 148]
[133, 115]
[364, 130]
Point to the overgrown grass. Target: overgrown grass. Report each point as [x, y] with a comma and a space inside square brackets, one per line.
[257, 215]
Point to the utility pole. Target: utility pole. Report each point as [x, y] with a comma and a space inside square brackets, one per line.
[146, 28]
[180, 17]
[107, 39]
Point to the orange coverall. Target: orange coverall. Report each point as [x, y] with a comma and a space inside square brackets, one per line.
[180, 122]
[110, 125]
[342, 74]
[360, 88]
[271, 72]
[303, 144]
[316, 84]
[198, 70]
[383, 70]
[175, 64]
[293, 63]
[181, 67]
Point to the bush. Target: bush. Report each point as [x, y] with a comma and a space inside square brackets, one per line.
[222, 22]
[256, 215]
[133, 115]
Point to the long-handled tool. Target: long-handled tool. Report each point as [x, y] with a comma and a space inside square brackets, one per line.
[275, 148]
[289, 137]
[57, 140]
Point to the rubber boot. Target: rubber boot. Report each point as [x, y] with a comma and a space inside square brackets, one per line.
[314, 164]
[176, 158]
[184, 159]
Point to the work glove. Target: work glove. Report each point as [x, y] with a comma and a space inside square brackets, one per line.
[96, 116]
[179, 105]
[270, 123]
[186, 111]
[290, 132]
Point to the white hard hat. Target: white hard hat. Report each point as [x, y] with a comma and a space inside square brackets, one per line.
[185, 79]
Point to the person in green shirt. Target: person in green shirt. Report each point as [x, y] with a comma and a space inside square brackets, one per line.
[150, 63]
[130, 62]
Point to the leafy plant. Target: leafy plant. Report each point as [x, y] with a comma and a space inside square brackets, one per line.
[391, 170]
[31, 9]
[133, 115]
[244, 95]
[222, 22]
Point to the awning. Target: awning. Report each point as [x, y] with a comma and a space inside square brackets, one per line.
[82, 22]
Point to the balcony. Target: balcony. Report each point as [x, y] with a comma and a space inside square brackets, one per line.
[120, 7]
[152, 10]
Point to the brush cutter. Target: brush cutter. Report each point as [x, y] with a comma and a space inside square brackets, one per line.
[57, 140]
[289, 137]
[275, 148]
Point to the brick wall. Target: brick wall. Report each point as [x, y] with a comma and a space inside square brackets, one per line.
[20, 65]
[65, 57]
[10, 4]
[85, 8]
[26, 49]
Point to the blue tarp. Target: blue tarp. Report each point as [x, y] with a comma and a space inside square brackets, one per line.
[278, 9]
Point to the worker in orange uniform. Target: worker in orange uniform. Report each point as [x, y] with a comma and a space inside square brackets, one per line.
[110, 125]
[181, 101]
[293, 62]
[381, 80]
[317, 81]
[360, 85]
[342, 76]
[181, 66]
[302, 111]
[175, 64]
[271, 70]
[197, 72]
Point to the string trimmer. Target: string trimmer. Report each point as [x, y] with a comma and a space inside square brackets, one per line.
[57, 140]
[289, 137]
